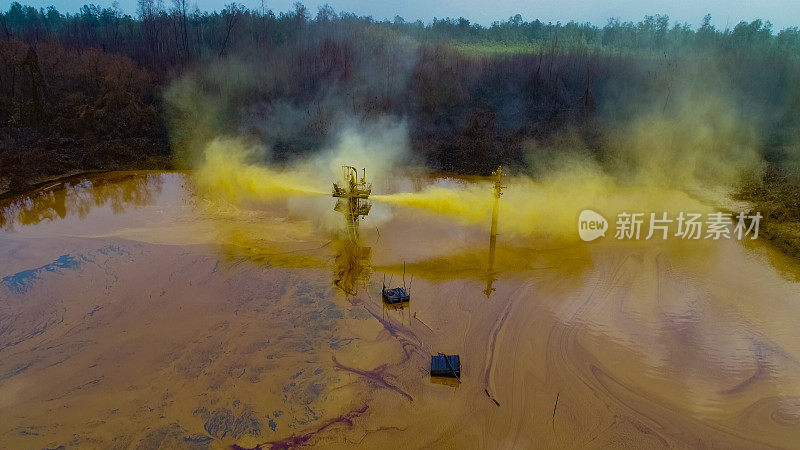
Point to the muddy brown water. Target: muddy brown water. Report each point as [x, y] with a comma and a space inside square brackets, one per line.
[135, 313]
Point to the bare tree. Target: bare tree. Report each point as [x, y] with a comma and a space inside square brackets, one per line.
[181, 7]
[231, 14]
[148, 11]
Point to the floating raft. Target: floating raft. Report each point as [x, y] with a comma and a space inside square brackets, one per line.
[445, 366]
[396, 295]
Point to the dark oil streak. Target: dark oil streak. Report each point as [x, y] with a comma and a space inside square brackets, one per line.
[609, 385]
[375, 376]
[376, 430]
[761, 370]
[408, 340]
[298, 440]
[496, 331]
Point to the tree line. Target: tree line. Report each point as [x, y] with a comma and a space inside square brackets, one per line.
[101, 89]
[177, 35]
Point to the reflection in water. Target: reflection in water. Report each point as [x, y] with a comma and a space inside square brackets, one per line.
[78, 196]
[239, 243]
[491, 275]
[397, 299]
[351, 265]
[352, 260]
[142, 333]
[446, 381]
[570, 262]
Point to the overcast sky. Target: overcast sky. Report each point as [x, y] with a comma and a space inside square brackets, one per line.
[782, 13]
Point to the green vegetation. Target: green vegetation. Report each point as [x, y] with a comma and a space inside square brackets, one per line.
[776, 197]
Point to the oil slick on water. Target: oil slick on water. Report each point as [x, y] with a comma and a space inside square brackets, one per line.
[237, 306]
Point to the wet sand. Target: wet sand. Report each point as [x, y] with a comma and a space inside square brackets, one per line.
[134, 313]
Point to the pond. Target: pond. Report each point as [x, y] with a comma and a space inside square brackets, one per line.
[137, 312]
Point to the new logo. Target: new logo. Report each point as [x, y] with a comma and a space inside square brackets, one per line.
[591, 225]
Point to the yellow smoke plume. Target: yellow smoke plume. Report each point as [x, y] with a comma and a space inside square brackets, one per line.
[657, 161]
[687, 155]
[544, 208]
[468, 203]
[228, 170]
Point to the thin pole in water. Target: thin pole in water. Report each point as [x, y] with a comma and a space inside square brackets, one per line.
[554, 410]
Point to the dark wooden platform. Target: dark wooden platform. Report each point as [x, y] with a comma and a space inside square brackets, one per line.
[396, 295]
[441, 368]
